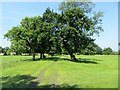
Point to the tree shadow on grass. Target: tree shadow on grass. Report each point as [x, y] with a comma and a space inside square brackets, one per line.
[30, 59]
[79, 60]
[23, 82]
[18, 81]
[87, 61]
[59, 86]
[44, 59]
[84, 60]
[52, 59]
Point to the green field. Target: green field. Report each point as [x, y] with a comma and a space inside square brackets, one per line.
[99, 71]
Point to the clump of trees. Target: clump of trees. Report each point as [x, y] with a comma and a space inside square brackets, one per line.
[13, 50]
[107, 51]
[70, 31]
[5, 51]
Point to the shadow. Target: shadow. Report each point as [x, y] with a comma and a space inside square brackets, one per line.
[36, 59]
[59, 86]
[44, 59]
[79, 60]
[19, 81]
[87, 61]
[27, 60]
[27, 82]
[52, 58]
[84, 60]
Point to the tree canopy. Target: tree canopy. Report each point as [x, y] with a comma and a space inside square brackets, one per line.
[77, 26]
[70, 31]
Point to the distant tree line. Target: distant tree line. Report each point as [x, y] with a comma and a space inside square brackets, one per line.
[12, 51]
[90, 50]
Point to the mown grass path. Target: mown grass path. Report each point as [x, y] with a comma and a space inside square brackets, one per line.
[52, 78]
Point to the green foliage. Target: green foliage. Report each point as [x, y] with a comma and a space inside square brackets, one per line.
[70, 4]
[92, 49]
[77, 27]
[18, 47]
[115, 53]
[71, 30]
[6, 51]
[70, 39]
[99, 50]
[24, 36]
[107, 51]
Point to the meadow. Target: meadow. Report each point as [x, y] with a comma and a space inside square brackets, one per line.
[91, 71]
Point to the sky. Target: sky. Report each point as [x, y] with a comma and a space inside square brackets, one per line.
[14, 12]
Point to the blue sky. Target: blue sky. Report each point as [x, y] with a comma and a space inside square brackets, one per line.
[13, 12]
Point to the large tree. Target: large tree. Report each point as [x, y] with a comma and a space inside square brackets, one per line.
[46, 32]
[51, 27]
[26, 32]
[77, 26]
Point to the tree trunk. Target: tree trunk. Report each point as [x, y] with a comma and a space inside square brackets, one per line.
[33, 55]
[73, 58]
[16, 53]
[42, 55]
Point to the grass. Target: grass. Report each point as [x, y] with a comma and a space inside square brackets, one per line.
[99, 71]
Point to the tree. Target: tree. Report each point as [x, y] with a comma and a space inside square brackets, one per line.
[43, 39]
[35, 33]
[46, 32]
[107, 51]
[77, 27]
[26, 32]
[51, 26]
[115, 53]
[70, 31]
[6, 51]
